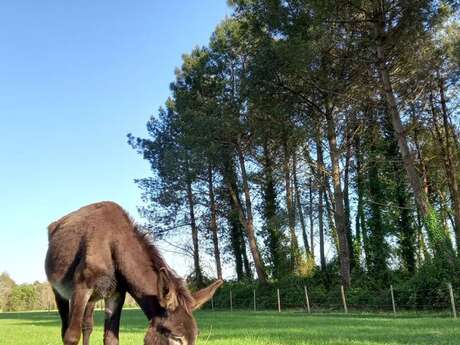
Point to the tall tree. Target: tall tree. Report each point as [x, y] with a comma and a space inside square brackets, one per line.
[213, 222]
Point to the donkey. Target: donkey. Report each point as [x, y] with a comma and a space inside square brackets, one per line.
[97, 252]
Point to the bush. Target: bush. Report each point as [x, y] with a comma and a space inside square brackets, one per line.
[425, 290]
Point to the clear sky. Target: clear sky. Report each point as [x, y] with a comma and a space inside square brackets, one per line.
[75, 78]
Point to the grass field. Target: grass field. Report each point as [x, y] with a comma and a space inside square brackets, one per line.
[245, 328]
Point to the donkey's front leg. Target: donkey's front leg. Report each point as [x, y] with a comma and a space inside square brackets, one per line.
[113, 307]
[78, 302]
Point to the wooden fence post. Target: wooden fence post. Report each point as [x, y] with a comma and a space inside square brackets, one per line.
[393, 300]
[231, 300]
[254, 295]
[344, 299]
[307, 300]
[279, 300]
[452, 300]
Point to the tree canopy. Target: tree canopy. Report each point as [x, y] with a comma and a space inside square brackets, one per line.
[314, 137]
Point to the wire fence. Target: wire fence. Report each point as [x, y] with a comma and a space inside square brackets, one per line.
[392, 300]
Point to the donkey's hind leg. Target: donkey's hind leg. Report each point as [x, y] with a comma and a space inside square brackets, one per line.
[88, 322]
[63, 309]
[78, 302]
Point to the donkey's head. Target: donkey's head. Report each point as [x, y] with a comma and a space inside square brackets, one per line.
[177, 326]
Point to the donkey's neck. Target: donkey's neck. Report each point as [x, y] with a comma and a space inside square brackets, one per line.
[149, 305]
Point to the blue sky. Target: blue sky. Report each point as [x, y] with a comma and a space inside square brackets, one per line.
[75, 78]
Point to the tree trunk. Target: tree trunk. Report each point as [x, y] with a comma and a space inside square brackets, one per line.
[425, 181]
[237, 237]
[331, 223]
[321, 179]
[339, 214]
[213, 223]
[247, 219]
[247, 265]
[450, 163]
[243, 268]
[299, 204]
[196, 251]
[422, 249]
[360, 231]
[439, 243]
[407, 232]
[378, 248]
[290, 210]
[274, 235]
[346, 195]
[327, 193]
[322, 256]
[310, 216]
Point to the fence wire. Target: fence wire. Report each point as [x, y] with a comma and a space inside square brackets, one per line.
[442, 301]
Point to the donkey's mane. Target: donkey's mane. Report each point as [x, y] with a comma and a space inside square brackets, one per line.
[184, 296]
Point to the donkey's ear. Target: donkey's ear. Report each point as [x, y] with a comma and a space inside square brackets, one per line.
[204, 295]
[166, 290]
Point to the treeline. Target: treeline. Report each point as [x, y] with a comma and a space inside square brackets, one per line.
[314, 136]
[35, 296]
[18, 297]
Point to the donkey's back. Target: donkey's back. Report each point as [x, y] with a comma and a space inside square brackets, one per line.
[81, 247]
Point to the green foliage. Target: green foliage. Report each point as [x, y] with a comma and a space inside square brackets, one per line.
[13, 297]
[6, 286]
[22, 297]
[307, 266]
[445, 260]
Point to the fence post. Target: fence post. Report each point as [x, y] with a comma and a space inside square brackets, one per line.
[279, 300]
[212, 303]
[254, 295]
[231, 300]
[344, 299]
[307, 300]
[452, 300]
[393, 300]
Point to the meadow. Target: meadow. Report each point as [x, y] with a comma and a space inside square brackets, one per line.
[245, 328]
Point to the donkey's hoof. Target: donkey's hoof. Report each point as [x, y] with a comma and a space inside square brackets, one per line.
[71, 339]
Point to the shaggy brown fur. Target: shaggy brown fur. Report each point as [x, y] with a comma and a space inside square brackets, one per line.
[97, 252]
[178, 287]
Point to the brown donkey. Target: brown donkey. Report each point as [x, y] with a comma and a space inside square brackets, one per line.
[98, 253]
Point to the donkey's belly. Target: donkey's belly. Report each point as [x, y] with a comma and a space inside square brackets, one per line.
[104, 287]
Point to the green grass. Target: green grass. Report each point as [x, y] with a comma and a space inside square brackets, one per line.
[246, 328]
